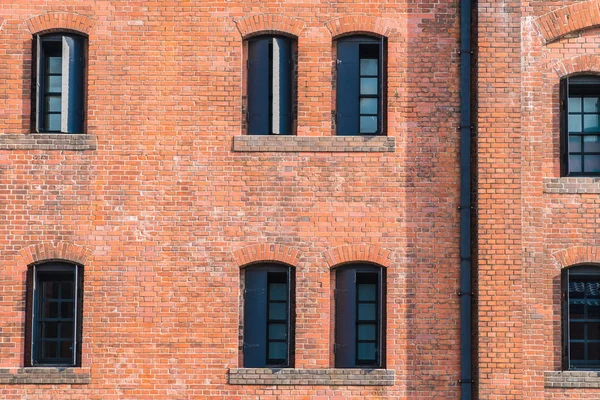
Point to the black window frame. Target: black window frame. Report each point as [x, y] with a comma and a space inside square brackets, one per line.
[259, 103]
[258, 297]
[71, 48]
[57, 273]
[348, 322]
[348, 84]
[579, 86]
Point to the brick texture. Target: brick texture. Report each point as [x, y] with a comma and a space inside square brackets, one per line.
[316, 377]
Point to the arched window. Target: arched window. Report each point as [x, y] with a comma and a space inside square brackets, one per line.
[359, 316]
[54, 312]
[270, 89]
[581, 317]
[360, 86]
[59, 88]
[580, 130]
[268, 316]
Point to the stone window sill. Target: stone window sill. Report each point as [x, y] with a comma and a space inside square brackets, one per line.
[318, 144]
[311, 377]
[48, 141]
[572, 379]
[45, 376]
[572, 185]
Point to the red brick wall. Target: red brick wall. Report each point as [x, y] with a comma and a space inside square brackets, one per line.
[163, 213]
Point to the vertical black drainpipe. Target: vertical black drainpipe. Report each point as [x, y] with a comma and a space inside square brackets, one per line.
[466, 379]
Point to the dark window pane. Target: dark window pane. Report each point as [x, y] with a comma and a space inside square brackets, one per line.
[66, 349]
[575, 123]
[591, 144]
[49, 330]
[49, 349]
[277, 311]
[593, 331]
[66, 309]
[54, 65]
[590, 104]
[575, 163]
[368, 86]
[277, 331]
[66, 330]
[66, 290]
[366, 312]
[576, 309]
[277, 351]
[368, 106]
[368, 67]
[575, 104]
[574, 144]
[50, 309]
[368, 124]
[577, 330]
[591, 123]
[367, 292]
[591, 163]
[53, 103]
[50, 290]
[366, 332]
[594, 309]
[278, 291]
[366, 352]
[52, 122]
[577, 351]
[54, 84]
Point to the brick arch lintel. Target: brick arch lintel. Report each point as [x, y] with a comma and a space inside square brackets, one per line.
[578, 64]
[259, 24]
[359, 24]
[53, 21]
[51, 251]
[577, 255]
[358, 252]
[569, 19]
[266, 252]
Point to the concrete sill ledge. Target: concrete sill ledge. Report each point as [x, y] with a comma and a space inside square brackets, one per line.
[311, 377]
[48, 141]
[572, 185]
[310, 144]
[572, 379]
[45, 376]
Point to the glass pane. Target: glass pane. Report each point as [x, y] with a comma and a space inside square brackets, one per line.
[576, 309]
[366, 312]
[49, 349]
[66, 330]
[66, 290]
[54, 65]
[368, 124]
[576, 330]
[594, 309]
[366, 351]
[590, 104]
[593, 331]
[592, 290]
[594, 351]
[368, 85]
[277, 351]
[591, 144]
[575, 123]
[367, 292]
[50, 290]
[591, 163]
[591, 123]
[574, 144]
[574, 104]
[574, 163]
[49, 330]
[52, 122]
[66, 309]
[53, 103]
[368, 106]
[576, 352]
[54, 84]
[277, 311]
[368, 67]
[366, 332]
[278, 291]
[277, 331]
[49, 309]
[66, 349]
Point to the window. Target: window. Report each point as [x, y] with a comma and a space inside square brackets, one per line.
[54, 312]
[270, 86]
[268, 316]
[58, 98]
[359, 312]
[360, 86]
[581, 125]
[581, 317]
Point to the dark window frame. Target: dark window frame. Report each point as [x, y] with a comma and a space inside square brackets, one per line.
[347, 323]
[257, 319]
[55, 272]
[347, 108]
[578, 86]
[72, 49]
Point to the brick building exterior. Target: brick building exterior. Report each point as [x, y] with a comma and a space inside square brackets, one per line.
[164, 200]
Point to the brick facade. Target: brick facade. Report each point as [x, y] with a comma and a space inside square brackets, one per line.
[163, 200]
